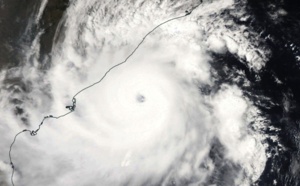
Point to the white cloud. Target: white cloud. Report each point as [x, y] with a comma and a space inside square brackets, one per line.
[147, 121]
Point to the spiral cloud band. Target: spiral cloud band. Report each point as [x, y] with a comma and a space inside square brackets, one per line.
[147, 122]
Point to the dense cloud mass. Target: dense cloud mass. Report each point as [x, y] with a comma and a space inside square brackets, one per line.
[150, 121]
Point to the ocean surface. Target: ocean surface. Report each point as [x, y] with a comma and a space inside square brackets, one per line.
[210, 98]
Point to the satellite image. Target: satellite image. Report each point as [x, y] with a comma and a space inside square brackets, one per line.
[149, 93]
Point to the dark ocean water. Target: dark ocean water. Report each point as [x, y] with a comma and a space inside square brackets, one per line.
[275, 90]
[279, 100]
[284, 109]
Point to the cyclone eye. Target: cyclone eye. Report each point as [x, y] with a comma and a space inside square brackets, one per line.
[140, 98]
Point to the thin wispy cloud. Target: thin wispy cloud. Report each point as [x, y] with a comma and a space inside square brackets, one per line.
[147, 122]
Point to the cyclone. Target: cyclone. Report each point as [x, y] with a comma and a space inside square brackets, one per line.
[161, 118]
[141, 103]
[145, 118]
